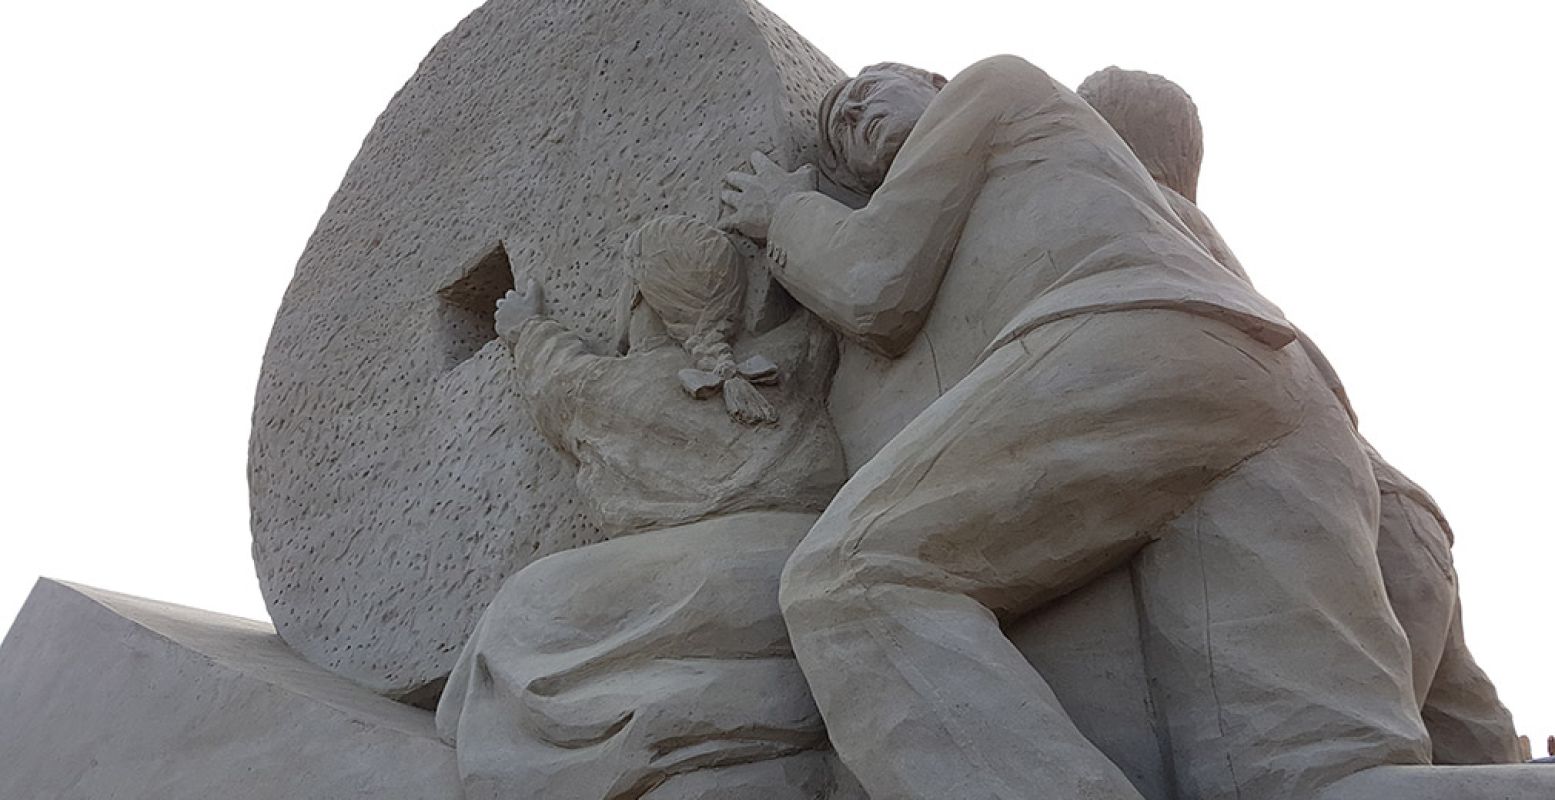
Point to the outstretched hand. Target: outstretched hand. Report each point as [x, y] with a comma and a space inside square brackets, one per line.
[751, 198]
[517, 307]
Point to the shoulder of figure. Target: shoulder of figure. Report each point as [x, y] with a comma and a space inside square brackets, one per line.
[1002, 71]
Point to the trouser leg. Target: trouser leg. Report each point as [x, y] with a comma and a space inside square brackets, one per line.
[1465, 717]
[658, 661]
[1466, 720]
[1276, 666]
[1412, 551]
[1054, 460]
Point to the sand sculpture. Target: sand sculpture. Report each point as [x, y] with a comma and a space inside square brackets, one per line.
[681, 419]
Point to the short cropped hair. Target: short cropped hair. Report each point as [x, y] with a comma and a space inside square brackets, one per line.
[1156, 119]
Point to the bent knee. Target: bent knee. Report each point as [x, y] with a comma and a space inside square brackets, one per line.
[809, 573]
[834, 571]
[824, 570]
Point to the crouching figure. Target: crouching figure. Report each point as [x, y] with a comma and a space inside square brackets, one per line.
[656, 664]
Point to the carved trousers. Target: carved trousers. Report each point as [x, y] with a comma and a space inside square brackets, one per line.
[653, 666]
[1458, 702]
[1223, 470]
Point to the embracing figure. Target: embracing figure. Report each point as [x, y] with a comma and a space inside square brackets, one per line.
[1458, 702]
[1112, 395]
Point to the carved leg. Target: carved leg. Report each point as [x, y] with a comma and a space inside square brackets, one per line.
[1412, 550]
[1053, 461]
[1466, 720]
[656, 663]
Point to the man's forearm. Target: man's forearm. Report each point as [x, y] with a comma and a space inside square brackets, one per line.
[872, 274]
[846, 279]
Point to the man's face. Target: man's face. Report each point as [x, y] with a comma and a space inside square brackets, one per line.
[872, 117]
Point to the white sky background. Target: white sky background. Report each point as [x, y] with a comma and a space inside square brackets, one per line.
[1382, 169]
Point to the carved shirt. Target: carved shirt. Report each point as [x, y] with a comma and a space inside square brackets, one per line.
[649, 456]
[1011, 204]
[1203, 230]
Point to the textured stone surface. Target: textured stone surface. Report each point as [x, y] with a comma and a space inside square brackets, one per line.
[395, 480]
[108, 696]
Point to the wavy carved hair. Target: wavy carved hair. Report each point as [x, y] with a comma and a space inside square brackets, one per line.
[689, 274]
[830, 157]
[1156, 119]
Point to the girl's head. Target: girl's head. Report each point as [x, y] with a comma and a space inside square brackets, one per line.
[689, 276]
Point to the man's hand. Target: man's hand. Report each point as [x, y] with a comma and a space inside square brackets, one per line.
[751, 198]
[517, 307]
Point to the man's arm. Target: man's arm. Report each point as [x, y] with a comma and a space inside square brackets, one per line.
[872, 274]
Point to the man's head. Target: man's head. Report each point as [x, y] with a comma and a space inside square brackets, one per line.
[864, 121]
[1156, 119]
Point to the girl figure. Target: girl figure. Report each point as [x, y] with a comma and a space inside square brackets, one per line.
[656, 665]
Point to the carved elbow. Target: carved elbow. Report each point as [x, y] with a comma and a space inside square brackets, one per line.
[890, 331]
[1005, 71]
[886, 319]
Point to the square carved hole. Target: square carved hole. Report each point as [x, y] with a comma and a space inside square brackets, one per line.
[466, 306]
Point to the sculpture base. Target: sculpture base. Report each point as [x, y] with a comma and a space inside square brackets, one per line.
[106, 695]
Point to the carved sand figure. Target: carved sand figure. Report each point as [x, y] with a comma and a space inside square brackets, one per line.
[1458, 701]
[1462, 713]
[1160, 124]
[656, 664]
[1114, 394]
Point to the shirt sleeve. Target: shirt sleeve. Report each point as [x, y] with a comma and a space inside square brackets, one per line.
[554, 370]
[873, 273]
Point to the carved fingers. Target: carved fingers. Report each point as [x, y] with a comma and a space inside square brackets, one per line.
[764, 165]
[751, 198]
[741, 210]
[518, 306]
[534, 296]
[740, 181]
